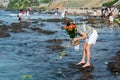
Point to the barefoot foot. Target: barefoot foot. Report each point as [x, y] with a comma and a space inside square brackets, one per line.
[86, 65]
[80, 63]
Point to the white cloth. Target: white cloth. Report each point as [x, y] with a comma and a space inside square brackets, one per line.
[20, 14]
[63, 15]
[77, 47]
[27, 14]
[92, 37]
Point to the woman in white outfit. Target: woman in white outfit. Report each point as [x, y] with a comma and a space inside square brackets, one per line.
[91, 36]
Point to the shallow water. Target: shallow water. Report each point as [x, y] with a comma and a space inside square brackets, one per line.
[25, 53]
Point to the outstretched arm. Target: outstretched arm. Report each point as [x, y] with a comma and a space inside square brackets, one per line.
[83, 35]
[69, 44]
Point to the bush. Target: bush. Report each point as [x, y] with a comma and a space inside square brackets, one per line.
[20, 4]
[110, 3]
[45, 1]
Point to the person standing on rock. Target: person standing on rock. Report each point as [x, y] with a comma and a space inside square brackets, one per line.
[111, 18]
[28, 14]
[63, 14]
[21, 15]
[91, 35]
[56, 13]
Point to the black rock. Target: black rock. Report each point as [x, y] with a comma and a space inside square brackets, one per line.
[80, 68]
[114, 67]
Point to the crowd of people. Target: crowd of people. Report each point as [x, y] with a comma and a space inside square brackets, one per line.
[106, 12]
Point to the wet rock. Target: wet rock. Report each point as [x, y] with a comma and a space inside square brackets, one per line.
[34, 21]
[43, 31]
[104, 49]
[3, 31]
[56, 48]
[66, 20]
[58, 20]
[4, 34]
[79, 67]
[85, 73]
[86, 76]
[4, 28]
[57, 41]
[42, 25]
[118, 54]
[21, 25]
[96, 20]
[18, 27]
[114, 65]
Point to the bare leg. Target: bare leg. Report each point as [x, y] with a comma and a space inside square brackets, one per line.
[88, 46]
[83, 54]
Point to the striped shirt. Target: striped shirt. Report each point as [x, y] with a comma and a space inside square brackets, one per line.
[86, 29]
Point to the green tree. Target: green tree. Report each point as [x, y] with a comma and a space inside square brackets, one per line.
[45, 1]
[110, 3]
[20, 4]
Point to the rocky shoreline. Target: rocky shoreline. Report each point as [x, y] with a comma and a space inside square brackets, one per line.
[114, 64]
[54, 45]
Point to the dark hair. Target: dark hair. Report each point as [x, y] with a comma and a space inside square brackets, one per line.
[68, 23]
